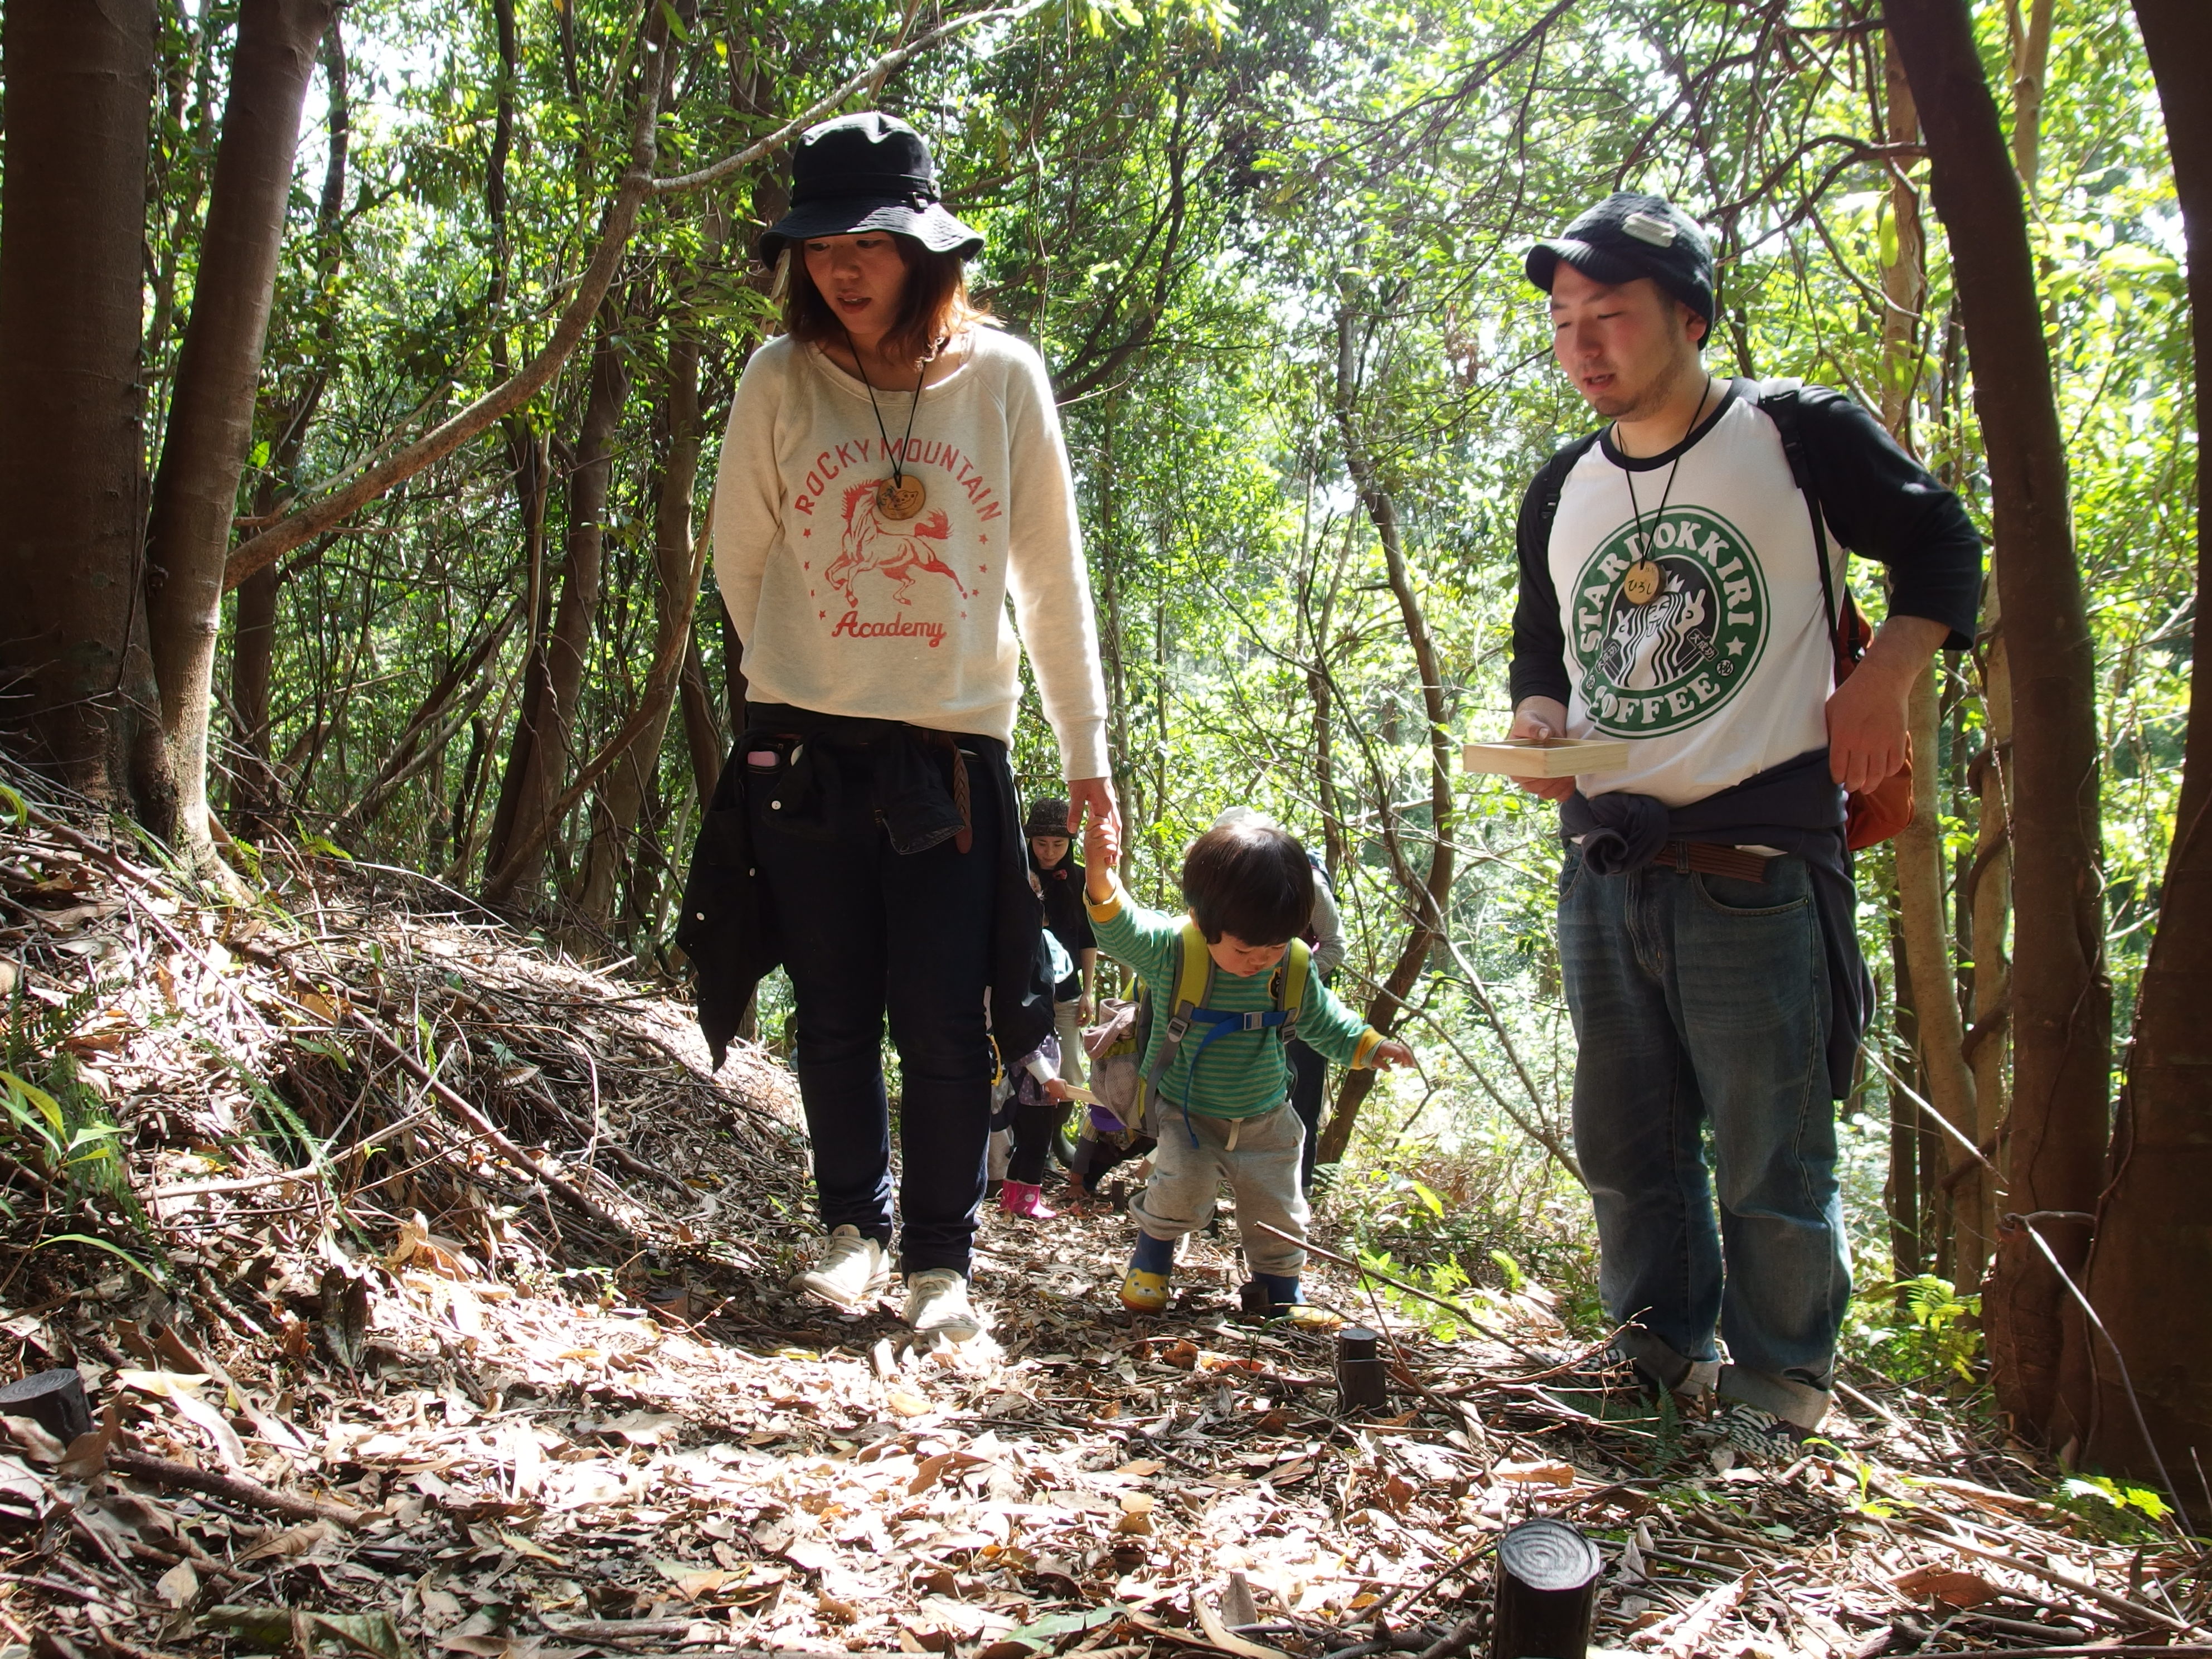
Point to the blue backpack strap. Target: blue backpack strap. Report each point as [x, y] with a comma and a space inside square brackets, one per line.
[1287, 990]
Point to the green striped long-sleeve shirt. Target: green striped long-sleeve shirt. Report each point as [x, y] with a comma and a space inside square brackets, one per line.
[1242, 1073]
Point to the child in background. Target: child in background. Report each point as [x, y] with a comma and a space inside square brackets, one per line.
[1027, 1102]
[1225, 1115]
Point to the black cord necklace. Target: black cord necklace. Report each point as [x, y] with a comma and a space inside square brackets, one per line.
[898, 496]
[1641, 582]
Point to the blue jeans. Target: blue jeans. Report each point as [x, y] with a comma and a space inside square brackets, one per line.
[1700, 1003]
[869, 932]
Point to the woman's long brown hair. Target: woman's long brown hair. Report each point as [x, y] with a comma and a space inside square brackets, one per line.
[934, 306]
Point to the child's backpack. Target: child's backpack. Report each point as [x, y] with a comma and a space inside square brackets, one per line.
[1117, 1044]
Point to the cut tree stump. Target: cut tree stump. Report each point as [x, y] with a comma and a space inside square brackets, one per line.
[53, 1400]
[1548, 1576]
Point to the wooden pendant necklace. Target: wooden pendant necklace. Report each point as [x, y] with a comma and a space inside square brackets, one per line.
[1642, 581]
[901, 495]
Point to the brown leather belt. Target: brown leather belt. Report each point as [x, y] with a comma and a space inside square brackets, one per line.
[1711, 858]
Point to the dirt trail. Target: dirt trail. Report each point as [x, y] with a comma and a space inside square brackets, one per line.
[432, 1303]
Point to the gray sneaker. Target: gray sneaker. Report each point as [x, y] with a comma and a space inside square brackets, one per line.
[937, 1305]
[853, 1272]
[1761, 1437]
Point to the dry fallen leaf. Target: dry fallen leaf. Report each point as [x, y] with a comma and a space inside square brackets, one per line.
[1537, 1474]
[210, 1422]
[88, 1454]
[1948, 1585]
[179, 1587]
[31, 1435]
[293, 1540]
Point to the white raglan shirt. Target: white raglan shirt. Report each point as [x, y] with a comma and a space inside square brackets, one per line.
[843, 611]
[1728, 671]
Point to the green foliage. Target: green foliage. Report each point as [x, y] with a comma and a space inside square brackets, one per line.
[2113, 1509]
[55, 1125]
[1922, 1330]
[70, 1142]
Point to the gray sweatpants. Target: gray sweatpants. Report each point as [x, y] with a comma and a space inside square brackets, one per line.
[1258, 1159]
[1067, 1024]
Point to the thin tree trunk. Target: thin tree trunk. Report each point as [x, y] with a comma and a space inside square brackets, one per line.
[435, 723]
[1427, 897]
[2031, 52]
[2061, 999]
[1947, 1083]
[1907, 1196]
[630, 783]
[218, 373]
[77, 697]
[653, 704]
[2155, 1231]
[1923, 929]
[253, 630]
[1988, 1044]
[538, 760]
[703, 741]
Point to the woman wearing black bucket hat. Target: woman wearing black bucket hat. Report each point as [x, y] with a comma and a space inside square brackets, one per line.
[892, 474]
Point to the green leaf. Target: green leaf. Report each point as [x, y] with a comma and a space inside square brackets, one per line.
[31, 1095]
[124, 1255]
[1040, 1632]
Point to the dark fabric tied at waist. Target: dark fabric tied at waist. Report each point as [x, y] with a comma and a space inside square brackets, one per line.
[1795, 808]
[923, 788]
[905, 769]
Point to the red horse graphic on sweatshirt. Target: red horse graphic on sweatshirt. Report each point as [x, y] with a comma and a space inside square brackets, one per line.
[888, 547]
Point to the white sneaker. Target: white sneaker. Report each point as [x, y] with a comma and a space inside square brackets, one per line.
[853, 1273]
[937, 1305]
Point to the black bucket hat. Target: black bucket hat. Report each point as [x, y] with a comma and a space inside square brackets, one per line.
[869, 172]
[1046, 818]
[1629, 235]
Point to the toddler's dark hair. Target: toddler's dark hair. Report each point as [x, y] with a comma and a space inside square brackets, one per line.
[1251, 879]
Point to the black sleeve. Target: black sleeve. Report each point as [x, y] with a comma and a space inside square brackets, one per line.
[1079, 936]
[1884, 505]
[1540, 644]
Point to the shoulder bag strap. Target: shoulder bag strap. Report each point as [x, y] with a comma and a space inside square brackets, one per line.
[1781, 407]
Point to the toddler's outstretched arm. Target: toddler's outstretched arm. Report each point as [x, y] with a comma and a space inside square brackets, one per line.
[1102, 851]
[1390, 1052]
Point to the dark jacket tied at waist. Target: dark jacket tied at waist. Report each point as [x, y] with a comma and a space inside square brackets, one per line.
[1795, 807]
[919, 786]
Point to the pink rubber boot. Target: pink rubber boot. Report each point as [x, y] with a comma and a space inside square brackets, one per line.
[1025, 1199]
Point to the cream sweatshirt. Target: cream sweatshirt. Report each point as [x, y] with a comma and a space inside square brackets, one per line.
[845, 611]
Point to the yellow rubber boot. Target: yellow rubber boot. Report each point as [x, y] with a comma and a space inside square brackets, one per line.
[1143, 1292]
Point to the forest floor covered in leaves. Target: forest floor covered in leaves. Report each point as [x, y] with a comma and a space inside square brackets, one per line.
[429, 1298]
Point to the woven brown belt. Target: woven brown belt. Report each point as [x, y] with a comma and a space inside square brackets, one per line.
[1711, 859]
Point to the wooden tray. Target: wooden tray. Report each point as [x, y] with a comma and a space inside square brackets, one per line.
[1546, 757]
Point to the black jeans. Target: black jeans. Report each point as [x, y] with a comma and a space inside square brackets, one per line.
[869, 932]
[1308, 1071]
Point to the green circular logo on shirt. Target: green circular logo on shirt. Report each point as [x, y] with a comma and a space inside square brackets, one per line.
[1647, 670]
